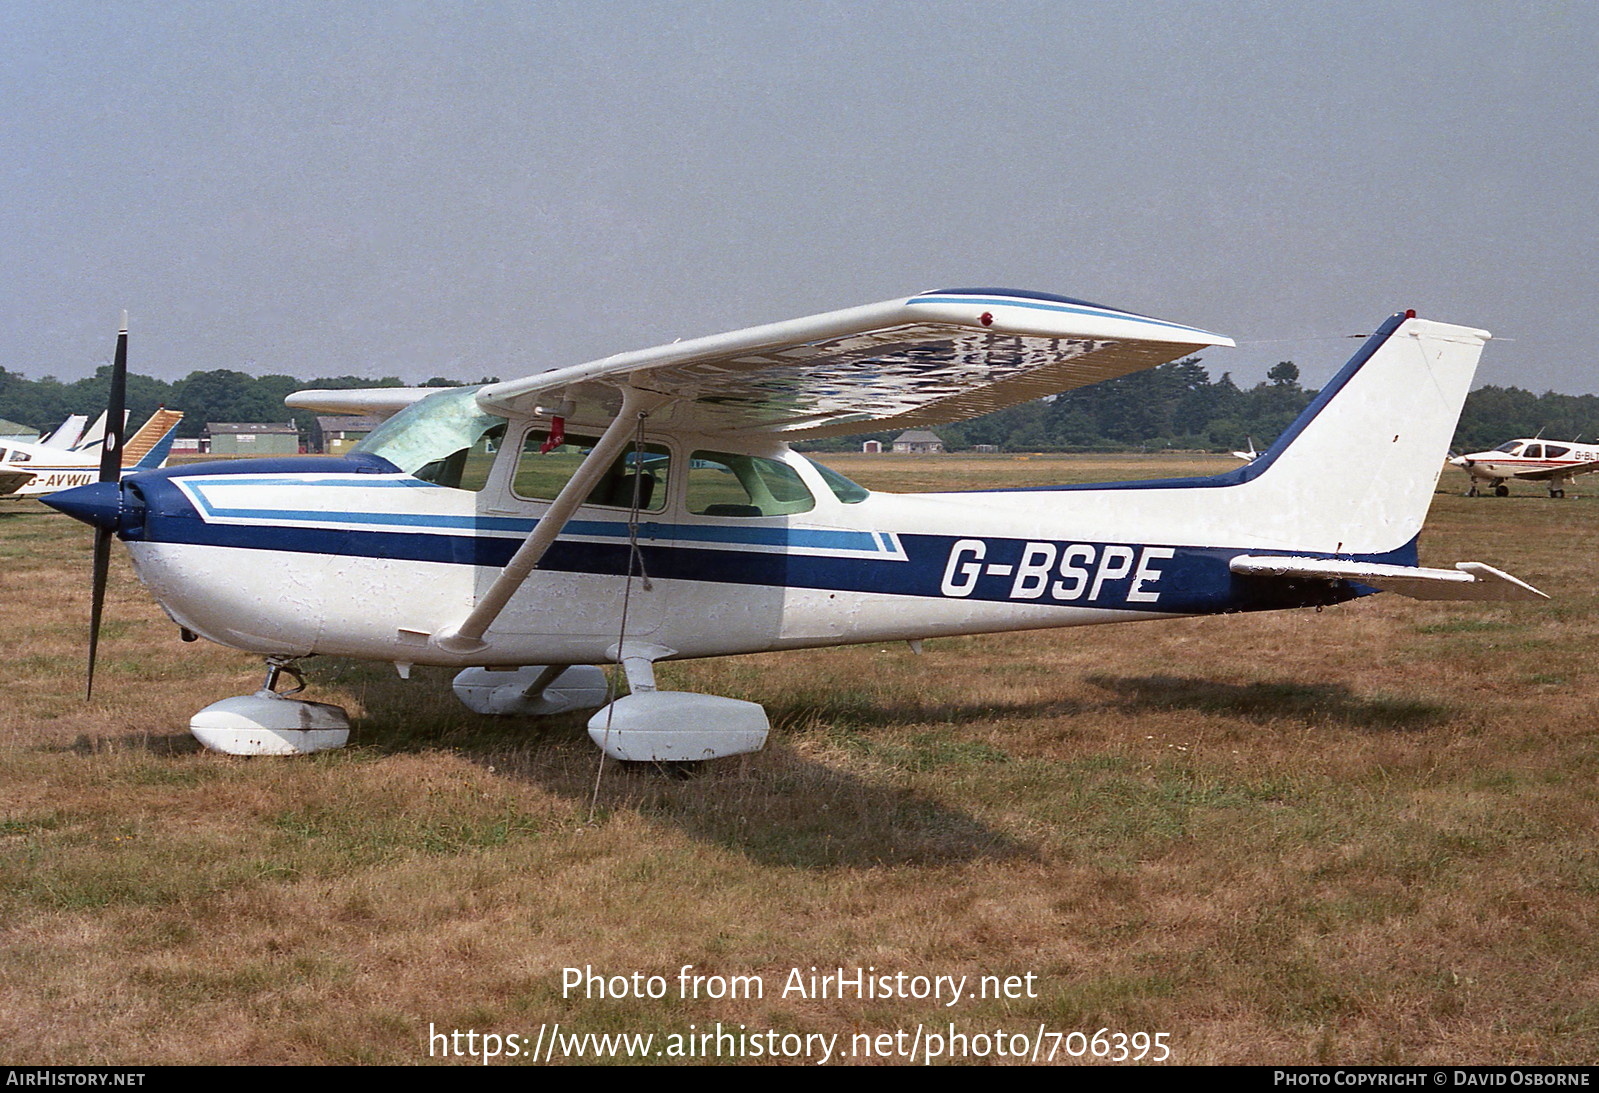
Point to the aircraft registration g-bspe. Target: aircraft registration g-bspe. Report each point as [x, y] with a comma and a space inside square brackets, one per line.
[647, 507]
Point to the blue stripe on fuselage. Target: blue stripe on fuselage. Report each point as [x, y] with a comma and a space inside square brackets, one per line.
[1108, 576]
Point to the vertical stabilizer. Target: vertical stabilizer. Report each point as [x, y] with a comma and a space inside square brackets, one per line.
[1353, 475]
[149, 447]
[1357, 470]
[67, 433]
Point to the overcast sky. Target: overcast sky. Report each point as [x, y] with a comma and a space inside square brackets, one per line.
[498, 188]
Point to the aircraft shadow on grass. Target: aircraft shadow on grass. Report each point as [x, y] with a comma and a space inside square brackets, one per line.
[162, 744]
[776, 808]
[785, 810]
[1314, 703]
[780, 810]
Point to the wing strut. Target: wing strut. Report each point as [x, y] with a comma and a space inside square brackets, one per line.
[467, 636]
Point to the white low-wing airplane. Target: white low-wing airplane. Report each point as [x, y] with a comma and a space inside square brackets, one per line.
[1555, 462]
[647, 507]
[32, 470]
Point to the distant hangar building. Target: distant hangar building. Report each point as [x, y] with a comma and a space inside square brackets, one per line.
[252, 438]
[918, 441]
[337, 435]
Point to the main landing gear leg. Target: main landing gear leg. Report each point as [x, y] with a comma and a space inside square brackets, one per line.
[269, 722]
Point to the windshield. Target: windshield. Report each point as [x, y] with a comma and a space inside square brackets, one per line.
[432, 430]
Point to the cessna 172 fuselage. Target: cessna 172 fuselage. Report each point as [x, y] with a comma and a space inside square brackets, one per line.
[648, 507]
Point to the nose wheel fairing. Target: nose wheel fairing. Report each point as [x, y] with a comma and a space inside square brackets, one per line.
[272, 723]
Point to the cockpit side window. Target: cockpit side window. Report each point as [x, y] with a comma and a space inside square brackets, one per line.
[635, 475]
[466, 468]
[1555, 451]
[724, 484]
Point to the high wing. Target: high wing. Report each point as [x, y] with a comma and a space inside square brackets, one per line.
[1559, 472]
[376, 401]
[924, 360]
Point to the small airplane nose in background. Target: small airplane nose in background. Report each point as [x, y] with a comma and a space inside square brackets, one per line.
[99, 504]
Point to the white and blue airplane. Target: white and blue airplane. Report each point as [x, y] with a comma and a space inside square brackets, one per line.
[648, 507]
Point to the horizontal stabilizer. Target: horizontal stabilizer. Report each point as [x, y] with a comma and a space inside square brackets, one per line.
[1467, 581]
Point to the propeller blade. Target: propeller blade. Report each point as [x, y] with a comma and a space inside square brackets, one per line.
[110, 471]
[102, 565]
[116, 425]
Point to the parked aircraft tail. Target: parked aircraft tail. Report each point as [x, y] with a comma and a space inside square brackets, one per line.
[1352, 476]
[1355, 473]
[67, 434]
[148, 448]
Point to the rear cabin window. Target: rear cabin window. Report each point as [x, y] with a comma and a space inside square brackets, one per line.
[722, 484]
[641, 474]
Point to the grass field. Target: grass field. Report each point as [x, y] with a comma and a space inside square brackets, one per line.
[1364, 835]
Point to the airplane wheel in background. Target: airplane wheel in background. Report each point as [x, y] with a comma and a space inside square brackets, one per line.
[1557, 493]
[1501, 490]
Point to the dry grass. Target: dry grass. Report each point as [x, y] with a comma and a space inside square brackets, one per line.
[1364, 835]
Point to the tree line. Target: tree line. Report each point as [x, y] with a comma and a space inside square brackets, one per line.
[217, 395]
[1175, 406]
[1179, 406]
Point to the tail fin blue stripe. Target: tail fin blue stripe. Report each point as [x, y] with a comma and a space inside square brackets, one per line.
[157, 455]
